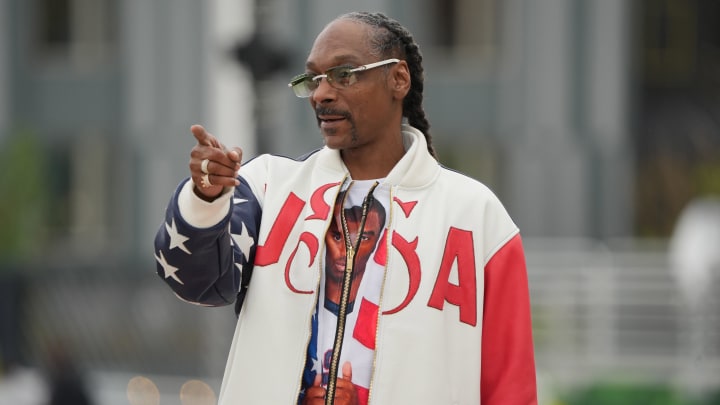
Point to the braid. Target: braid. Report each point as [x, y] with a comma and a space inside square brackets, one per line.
[391, 39]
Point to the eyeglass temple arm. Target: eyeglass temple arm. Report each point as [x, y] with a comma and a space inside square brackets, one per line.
[376, 64]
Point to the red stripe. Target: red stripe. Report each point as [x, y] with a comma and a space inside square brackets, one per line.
[508, 365]
[363, 394]
[366, 324]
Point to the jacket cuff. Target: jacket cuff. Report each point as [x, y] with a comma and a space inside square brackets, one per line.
[199, 213]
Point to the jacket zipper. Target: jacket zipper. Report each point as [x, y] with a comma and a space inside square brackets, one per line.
[388, 244]
[350, 251]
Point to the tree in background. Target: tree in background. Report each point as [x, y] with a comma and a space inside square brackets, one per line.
[23, 208]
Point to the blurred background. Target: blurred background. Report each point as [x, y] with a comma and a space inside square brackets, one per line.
[597, 122]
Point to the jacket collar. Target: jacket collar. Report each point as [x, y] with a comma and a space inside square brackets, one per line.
[415, 169]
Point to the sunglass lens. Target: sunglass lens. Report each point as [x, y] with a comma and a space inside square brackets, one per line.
[343, 76]
[304, 86]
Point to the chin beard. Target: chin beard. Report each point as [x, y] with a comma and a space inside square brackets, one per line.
[354, 137]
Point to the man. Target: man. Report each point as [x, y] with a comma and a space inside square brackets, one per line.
[444, 313]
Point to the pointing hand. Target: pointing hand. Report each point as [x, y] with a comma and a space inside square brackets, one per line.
[212, 165]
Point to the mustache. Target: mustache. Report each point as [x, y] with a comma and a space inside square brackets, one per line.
[330, 111]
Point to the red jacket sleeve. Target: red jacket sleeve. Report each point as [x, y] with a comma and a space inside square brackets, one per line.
[507, 376]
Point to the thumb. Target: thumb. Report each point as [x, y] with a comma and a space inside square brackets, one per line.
[347, 371]
[318, 380]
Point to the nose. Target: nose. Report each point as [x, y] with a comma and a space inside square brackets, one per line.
[324, 93]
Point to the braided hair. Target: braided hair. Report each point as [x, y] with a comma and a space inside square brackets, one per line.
[390, 39]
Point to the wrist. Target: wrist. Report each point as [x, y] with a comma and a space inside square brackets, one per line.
[204, 197]
[200, 210]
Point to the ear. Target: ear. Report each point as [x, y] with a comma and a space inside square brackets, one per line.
[400, 80]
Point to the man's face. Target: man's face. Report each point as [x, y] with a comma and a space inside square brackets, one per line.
[335, 254]
[361, 114]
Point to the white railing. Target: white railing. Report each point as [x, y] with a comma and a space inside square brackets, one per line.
[617, 313]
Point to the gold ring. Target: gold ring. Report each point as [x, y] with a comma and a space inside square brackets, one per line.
[205, 181]
[204, 165]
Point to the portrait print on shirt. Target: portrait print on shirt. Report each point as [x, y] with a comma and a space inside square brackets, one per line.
[368, 272]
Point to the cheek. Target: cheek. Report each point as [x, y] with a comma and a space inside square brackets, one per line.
[366, 247]
[334, 247]
[360, 103]
[373, 110]
[364, 253]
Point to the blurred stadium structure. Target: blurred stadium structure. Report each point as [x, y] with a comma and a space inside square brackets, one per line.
[596, 122]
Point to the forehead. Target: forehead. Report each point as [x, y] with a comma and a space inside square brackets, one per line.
[342, 41]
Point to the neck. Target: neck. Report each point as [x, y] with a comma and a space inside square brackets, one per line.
[373, 163]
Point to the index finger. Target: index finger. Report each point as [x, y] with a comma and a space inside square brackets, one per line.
[203, 137]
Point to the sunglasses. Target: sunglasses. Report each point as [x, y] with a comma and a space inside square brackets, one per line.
[339, 77]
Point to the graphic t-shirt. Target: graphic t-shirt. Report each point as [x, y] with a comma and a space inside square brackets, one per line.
[362, 310]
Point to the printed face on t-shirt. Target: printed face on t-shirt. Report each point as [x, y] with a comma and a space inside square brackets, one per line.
[335, 242]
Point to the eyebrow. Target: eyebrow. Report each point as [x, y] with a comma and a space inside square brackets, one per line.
[339, 59]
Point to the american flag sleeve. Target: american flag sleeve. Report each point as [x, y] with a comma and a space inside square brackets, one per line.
[204, 265]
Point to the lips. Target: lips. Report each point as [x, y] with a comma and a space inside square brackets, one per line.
[339, 266]
[329, 116]
[329, 126]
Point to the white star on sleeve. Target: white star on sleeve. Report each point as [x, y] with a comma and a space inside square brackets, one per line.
[176, 239]
[168, 268]
[243, 240]
[316, 365]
